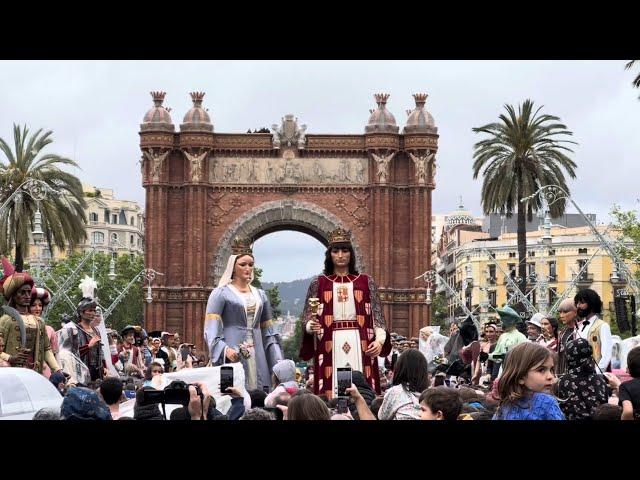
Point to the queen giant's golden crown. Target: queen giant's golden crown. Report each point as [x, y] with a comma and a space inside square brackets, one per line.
[241, 246]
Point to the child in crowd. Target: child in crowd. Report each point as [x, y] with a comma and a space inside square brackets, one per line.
[606, 411]
[629, 391]
[524, 387]
[440, 403]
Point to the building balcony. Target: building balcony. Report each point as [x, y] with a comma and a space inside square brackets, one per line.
[584, 281]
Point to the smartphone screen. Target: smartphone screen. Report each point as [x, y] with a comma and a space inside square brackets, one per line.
[226, 378]
[342, 405]
[344, 381]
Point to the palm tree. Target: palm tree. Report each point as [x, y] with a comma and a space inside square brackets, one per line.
[63, 217]
[636, 81]
[521, 154]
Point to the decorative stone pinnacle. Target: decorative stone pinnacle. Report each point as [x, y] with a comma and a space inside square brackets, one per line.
[197, 97]
[158, 98]
[420, 99]
[381, 98]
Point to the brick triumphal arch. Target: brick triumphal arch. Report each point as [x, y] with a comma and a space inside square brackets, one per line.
[205, 188]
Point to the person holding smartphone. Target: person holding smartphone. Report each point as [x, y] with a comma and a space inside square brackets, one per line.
[348, 328]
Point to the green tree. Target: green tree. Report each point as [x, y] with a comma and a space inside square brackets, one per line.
[291, 346]
[636, 81]
[273, 294]
[439, 310]
[127, 311]
[63, 217]
[522, 153]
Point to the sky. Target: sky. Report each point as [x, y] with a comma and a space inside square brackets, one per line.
[95, 108]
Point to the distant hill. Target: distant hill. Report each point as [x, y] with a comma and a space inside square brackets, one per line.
[292, 294]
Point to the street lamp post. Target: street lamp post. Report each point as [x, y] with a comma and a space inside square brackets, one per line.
[149, 274]
[431, 277]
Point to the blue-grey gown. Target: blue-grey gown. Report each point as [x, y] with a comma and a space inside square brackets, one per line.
[226, 326]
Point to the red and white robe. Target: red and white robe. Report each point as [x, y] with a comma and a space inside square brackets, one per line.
[351, 317]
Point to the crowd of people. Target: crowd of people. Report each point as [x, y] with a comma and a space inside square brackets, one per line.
[501, 374]
[505, 368]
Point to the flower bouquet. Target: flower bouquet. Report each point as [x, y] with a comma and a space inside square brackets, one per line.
[245, 349]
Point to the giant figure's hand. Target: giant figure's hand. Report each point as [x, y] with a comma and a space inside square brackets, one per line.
[374, 349]
[232, 355]
[314, 326]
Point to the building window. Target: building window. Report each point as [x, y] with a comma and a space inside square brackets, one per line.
[582, 251]
[511, 267]
[132, 242]
[132, 222]
[512, 254]
[97, 237]
[114, 219]
[552, 271]
[552, 252]
[532, 253]
[114, 237]
[107, 216]
[123, 218]
[582, 263]
[492, 274]
[493, 298]
[531, 269]
[93, 216]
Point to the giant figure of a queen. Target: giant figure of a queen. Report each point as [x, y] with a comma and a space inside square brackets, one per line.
[238, 326]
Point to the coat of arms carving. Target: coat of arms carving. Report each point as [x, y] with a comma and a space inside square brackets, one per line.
[289, 133]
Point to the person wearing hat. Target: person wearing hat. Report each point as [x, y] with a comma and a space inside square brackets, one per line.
[129, 354]
[509, 338]
[157, 352]
[25, 336]
[348, 328]
[40, 298]
[84, 404]
[83, 340]
[238, 325]
[168, 340]
[534, 327]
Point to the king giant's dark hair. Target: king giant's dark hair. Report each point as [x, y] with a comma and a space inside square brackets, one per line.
[328, 263]
[591, 298]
